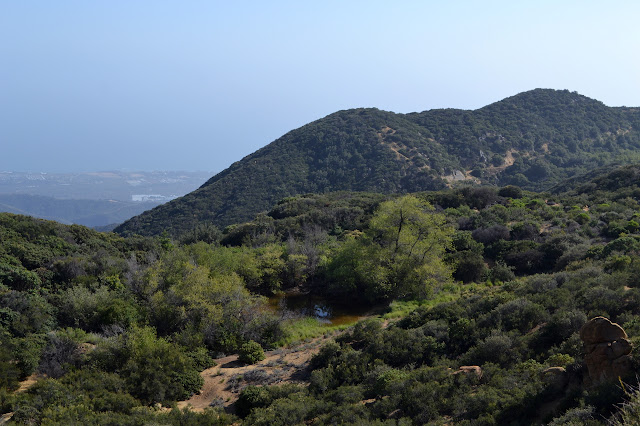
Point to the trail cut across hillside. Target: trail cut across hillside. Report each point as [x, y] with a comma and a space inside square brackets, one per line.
[224, 381]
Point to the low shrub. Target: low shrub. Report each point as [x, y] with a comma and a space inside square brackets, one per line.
[251, 352]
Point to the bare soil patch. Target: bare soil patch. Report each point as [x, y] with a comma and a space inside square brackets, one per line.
[24, 386]
[29, 381]
[224, 382]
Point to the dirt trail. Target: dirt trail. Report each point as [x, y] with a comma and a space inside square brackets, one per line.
[30, 381]
[24, 386]
[223, 383]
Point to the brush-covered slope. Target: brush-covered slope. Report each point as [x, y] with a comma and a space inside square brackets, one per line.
[93, 213]
[533, 140]
[611, 178]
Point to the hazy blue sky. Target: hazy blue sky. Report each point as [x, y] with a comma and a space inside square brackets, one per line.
[197, 85]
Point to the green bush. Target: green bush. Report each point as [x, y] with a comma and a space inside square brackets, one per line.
[560, 360]
[154, 369]
[201, 358]
[502, 273]
[469, 267]
[251, 397]
[9, 371]
[251, 352]
[510, 191]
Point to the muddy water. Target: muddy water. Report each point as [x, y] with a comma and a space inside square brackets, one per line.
[317, 307]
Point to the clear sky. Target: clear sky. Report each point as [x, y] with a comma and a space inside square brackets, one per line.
[197, 85]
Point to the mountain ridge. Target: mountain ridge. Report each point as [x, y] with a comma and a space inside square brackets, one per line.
[533, 139]
[91, 213]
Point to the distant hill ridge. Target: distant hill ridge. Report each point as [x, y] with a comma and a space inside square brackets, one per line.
[92, 213]
[534, 140]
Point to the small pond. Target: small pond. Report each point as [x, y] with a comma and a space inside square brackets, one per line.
[318, 307]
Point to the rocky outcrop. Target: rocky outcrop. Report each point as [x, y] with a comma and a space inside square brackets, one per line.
[470, 370]
[607, 350]
[555, 377]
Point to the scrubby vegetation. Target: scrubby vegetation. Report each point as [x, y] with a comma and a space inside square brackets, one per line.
[496, 280]
[534, 140]
[250, 352]
[120, 323]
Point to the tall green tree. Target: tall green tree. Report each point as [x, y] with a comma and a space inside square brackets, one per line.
[400, 255]
[412, 239]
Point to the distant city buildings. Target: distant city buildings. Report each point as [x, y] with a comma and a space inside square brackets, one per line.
[152, 197]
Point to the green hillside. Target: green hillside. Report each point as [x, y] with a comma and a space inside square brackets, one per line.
[475, 296]
[534, 140]
[93, 213]
[614, 178]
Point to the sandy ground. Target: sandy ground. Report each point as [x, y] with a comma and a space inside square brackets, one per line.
[29, 381]
[24, 385]
[223, 382]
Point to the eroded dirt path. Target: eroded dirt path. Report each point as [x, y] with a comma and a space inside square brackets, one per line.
[24, 386]
[223, 382]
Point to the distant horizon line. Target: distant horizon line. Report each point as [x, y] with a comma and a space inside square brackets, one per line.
[107, 171]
